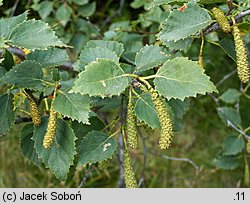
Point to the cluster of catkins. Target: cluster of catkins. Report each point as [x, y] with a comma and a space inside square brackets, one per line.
[36, 119]
[132, 134]
[240, 48]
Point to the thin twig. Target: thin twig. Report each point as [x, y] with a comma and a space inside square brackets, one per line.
[226, 77]
[216, 26]
[176, 159]
[14, 7]
[87, 175]
[229, 122]
[118, 12]
[142, 179]
[121, 182]
[20, 120]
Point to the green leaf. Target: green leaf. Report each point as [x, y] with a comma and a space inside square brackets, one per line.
[230, 96]
[81, 130]
[45, 9]
[26, 75]
[1, 2]
[27, 144]
[226, 162]
[96, 147]
[101, 78]
[180, 44]
[34, 34]
[227, 44]
[149, 57]
[179, 108]
[88, 9]
[138, 3]
[114, 46]
[8, 24]
[154, 3]
[73, 105]
[8, 61]
[233, 145]
[2, 73]
[59, 157]
[80, 2]
[63, 14]
[92, 54]
[49, 58]
[7, 115]
[181, 78]
[146, 112]
[227, 113]
[211, 1]
[181, 25]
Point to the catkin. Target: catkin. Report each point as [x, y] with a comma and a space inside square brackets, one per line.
[129, 174]
[221, 19]
[51, 129]
[34, 111]
[131, 126]
[248, 146]
[241, 55]
[103, 164]
[165, 120]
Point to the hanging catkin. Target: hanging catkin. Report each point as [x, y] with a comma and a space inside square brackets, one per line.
[241, 55]
[165, 120]
[221, 19]
[131, 125]
[34, 111]
[129, 174]
[248, 146]
[51, 129]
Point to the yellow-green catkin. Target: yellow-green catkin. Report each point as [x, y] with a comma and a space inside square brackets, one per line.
[165, 120]
[248, 146]
[104, 164]
[129, 174]
[51, 129]
[241, 55]
[221, 19]
[34, 111]
[200, 59]
[131, 128]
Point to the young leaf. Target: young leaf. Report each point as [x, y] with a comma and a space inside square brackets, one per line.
[92, 54]
[230, 96]
[34, 34]
[8, 24]
[181, 78]
[59, 157]
[154, 3]
[149, 57]
[180, 44]
[7, 115]
[81, 130]
[227, 113]
[73, 105]
[114, 46]
[101, 78]
[26, 75]
[49, 58]
[27, 144]
[63, 14]
[226, 162]
[96, 147]
[45, 8]
[145, 111]
[233, 145]
[181, 25]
